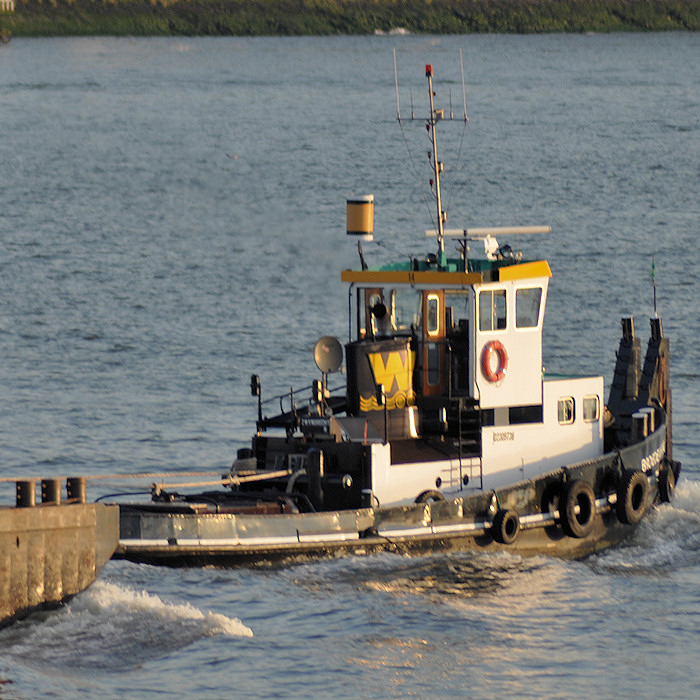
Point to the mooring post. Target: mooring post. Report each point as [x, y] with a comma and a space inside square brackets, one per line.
[51, 491]
[76, 489]
[26, 493]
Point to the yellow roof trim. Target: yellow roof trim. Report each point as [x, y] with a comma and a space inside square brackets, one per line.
[431, 277]
[540, 268]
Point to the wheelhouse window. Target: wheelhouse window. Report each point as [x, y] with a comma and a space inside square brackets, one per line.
[492, 310]
[407, 310]
[433, 311]
[368, 324]
[457, 309]
[433, 364]
[527, 307]
[566, 410]
[591, 408]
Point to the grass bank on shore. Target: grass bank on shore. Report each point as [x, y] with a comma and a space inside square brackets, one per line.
[323, 17]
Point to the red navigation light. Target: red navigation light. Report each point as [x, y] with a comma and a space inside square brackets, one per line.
[428, 69]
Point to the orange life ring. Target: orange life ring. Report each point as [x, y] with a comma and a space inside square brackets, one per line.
[502, 366]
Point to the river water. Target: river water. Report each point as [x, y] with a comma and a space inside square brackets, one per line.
[172, 218]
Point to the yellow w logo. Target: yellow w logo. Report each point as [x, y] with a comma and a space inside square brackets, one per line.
[395, 371]
[397, 374]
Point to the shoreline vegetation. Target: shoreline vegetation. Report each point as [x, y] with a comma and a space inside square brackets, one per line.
[43, 18]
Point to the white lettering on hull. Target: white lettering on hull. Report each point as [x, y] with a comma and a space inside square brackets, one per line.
[652, 460]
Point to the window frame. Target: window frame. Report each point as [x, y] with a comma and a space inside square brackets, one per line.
[399, 307]
[432, 325]
[494, 328]
[563, 400]
[596, 398]
[518, 293]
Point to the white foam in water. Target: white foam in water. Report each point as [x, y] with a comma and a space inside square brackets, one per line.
[667, 539]
[110, 626]
[687, 497]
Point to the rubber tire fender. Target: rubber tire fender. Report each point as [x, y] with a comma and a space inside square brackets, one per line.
[577, 493]
[632, 494]
[667, 484]
[426, 496]
[506, 526]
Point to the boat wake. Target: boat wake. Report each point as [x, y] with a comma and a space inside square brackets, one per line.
[453, 575]
[111, 627]
[668, 539]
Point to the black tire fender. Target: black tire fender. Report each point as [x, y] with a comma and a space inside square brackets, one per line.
[577, 494]
[426, 496]
[506, 526]
[667, 484]
[632, 494]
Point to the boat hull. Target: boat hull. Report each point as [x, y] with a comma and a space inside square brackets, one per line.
[193, 535]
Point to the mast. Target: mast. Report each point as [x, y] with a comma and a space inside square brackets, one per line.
[437, 168]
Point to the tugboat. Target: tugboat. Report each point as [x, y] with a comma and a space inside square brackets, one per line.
[448, 434]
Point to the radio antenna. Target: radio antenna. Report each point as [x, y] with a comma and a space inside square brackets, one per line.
[396, 83]
[464, 89]
[437, 166]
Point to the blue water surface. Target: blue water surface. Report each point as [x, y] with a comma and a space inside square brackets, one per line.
[172, 219]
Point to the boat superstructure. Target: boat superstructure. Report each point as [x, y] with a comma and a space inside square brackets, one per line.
[448, 432]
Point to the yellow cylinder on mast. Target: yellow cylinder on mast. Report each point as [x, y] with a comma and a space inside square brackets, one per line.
[360, 217]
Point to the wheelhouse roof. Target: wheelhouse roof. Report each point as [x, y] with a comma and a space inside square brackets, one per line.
[421, 272]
